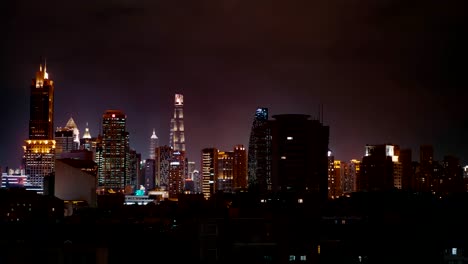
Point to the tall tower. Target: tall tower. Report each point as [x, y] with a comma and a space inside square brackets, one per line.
[39, 148]
[154, 143]
[176, 135]
[259, 152]
[114, 171]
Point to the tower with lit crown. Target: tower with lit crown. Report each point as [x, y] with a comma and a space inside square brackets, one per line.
[176, 134]
[39, 148]
[154, 143]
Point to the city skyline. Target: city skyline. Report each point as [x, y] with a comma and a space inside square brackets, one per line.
[288, 58]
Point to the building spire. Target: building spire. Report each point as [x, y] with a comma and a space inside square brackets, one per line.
[154, 134]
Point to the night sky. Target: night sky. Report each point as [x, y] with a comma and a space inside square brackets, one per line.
[385, 71]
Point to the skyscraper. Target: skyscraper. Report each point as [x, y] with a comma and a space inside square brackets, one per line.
[114, 171]
[299, 150]
[239, 167]
[67, 138]
[259, 152]
[209, 167]
[39, 148]
[154, 143]
[176, 134]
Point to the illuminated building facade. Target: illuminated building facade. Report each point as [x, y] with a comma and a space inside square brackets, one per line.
[177, 169]
[66, 138]
[209, 164]
[259, 152]
[224, 171]
[239, 172]
[299, 154]
[163, 156]
[336, 172]
[354, 174]
[154, 143]
[176, 134]
[198, 181]
[39, 148]
[114, 164]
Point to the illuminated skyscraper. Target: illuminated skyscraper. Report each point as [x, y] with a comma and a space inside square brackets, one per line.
[154, 143]
[114, 171]
[259, 152]
[67, 138]
[39, 149]
[209, 167]
[176, 135]
[163, 156]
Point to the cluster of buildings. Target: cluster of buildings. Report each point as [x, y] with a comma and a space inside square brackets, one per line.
[284, 198]
[286, 153]
[386, 167]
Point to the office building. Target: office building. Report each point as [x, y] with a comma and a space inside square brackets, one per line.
[114, 171]
[39, 148]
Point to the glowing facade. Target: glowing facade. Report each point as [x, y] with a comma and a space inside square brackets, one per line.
[114, 171]
[162, 166]
[259, 152]
[39, 149]
[209, 166]
[67, 138]
[176, 134]
[154, 143]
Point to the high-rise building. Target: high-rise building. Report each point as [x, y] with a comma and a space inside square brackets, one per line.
[149, 174]
[162, 166]
[176, 134]
[336, 172]
[154, 143]
[209, 164]
[67, 138]
[239, 172]
[259, 152]
[114, 171]
[380, 168]
[354, 171]
[224, 171]
[177, 173]
[39, 148]
[299, 150]
[71, 125]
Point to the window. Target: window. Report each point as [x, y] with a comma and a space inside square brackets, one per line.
[303, 258]
[454, 251]
[292, 258]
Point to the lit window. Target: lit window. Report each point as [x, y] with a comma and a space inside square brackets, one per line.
[292, 258]
[289, 138]
[454, 251]
[303, 258]
[283, 157]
